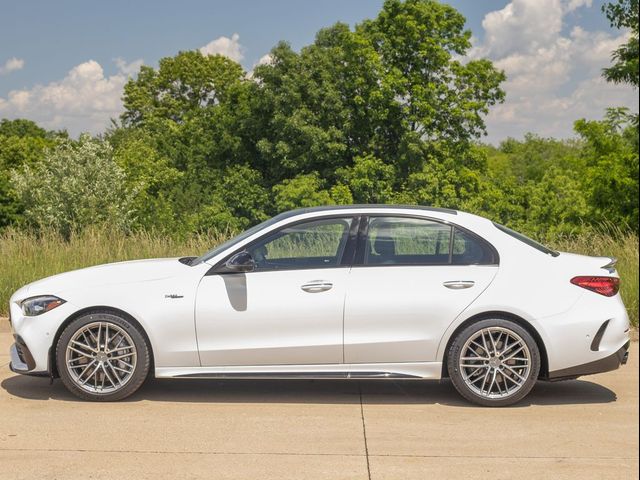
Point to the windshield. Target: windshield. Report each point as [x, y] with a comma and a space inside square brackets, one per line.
[527, 240]
[237, 239]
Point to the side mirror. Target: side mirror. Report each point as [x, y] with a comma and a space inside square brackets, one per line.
[241, 262]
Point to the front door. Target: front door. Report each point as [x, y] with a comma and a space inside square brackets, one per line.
[289, 311]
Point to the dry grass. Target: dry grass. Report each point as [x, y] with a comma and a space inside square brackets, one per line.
[25, 257]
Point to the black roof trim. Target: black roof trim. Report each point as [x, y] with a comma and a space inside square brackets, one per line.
[325, 208]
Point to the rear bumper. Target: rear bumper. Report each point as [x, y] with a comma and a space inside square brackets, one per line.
[606, 364]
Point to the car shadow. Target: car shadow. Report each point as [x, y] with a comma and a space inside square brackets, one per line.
[313, 392]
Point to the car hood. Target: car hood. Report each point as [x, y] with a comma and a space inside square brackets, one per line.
[102, 275]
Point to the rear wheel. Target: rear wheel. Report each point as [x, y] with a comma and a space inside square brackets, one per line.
[102, 357]
[494, 362]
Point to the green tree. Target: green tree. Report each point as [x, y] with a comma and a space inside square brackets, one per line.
[370, 180]
[392, 88]
[75, 185]
[182, 85]
[307, 190]
[22, 142]
[624, 14]
[610, 172]
[150, 177]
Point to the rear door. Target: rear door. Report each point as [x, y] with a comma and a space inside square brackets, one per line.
[413, 276]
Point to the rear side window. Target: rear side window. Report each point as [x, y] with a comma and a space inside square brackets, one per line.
[407, 241]
[526, 240]
[414, 241]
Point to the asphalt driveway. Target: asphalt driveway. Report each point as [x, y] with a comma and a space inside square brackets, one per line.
[585, 428]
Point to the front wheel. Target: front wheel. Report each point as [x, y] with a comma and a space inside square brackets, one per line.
[494, 363]
[102, 356]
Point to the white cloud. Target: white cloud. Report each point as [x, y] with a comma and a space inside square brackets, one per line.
[266, 59]
[553, 78]
[229, 47]
[84, 100]
[131, 68]
[575, 4]
[11, 65]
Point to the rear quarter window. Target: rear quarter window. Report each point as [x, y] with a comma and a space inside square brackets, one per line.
[468, 249]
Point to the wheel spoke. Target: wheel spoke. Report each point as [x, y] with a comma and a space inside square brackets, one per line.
[484, 342]
[108, 376]
[493, 342]
[83, 345]
[515, 373]
[99, 332]
[477, 344]
[513, 354]
[484, 381]
[80, 352]
[90, 375]
[115, 369]
[121, 349]
[127, 364]
[504, 382]
[124, 355]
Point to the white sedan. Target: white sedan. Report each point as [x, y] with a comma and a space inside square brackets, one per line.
[357, 292]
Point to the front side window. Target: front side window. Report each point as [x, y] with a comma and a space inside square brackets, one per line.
[313, 244]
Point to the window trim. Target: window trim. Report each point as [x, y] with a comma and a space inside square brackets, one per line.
[530, 242]
[345, 261]
[363, 232]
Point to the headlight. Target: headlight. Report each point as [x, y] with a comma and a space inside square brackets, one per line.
[38, 305]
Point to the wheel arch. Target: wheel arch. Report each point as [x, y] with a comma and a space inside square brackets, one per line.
[53, 367]
[544, 361]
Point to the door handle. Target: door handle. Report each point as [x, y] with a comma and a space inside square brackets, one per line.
[459, 284]
[316, 286]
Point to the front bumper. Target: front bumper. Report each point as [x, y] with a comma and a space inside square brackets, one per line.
[21, 359]
[606, 364]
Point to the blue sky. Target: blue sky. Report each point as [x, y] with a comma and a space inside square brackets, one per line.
[63, 63]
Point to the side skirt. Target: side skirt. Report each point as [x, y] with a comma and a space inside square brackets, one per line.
[391, 371]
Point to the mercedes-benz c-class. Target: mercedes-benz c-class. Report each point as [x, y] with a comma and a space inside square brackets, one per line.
[357, 292]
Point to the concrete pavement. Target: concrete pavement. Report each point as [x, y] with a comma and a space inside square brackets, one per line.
[584, 429]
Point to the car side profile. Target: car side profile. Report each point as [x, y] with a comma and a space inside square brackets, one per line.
[350, 292]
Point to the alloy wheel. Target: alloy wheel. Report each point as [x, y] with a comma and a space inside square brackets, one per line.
[101, 357]
[495, 362]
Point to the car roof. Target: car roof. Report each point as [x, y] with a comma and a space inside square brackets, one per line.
[299, 211]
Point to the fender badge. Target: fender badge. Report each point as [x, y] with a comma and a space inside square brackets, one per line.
[173, 295]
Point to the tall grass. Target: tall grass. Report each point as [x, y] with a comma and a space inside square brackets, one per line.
[26, 257]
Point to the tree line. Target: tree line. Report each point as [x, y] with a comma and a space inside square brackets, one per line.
[389, 111]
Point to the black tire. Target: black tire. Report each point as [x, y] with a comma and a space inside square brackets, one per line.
[139, 371]
[471, 394]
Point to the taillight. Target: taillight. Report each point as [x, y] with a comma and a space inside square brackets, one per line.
[607, 286]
